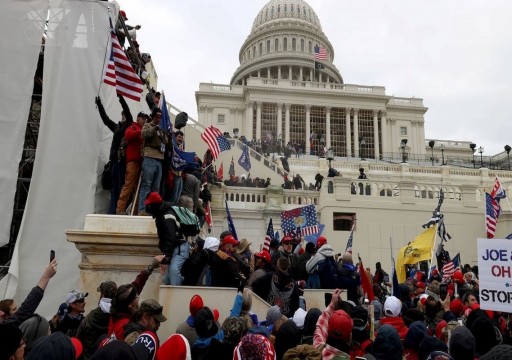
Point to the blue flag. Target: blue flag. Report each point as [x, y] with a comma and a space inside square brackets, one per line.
[456, 261]
[231, 225]
[245, 161]
[165, 120]
[313, 238]
[182, 160]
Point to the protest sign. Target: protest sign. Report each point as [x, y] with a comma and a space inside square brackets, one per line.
[495, 274]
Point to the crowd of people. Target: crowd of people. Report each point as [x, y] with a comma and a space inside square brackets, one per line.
[432, 316]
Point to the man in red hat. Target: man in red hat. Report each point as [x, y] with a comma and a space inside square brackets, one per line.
[224, 266]
[333, 333]
[262, 264]
[187, 328]
[171, 242]
[286, 251]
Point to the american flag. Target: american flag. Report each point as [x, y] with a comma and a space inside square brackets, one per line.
[491, 217]
[448, 270]
[497, 193]
[304, 217]
[320, 53]
[269, 236]
[349, 241]
[118, 71]
[215, 140]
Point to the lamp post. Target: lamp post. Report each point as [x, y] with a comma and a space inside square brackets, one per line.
[431, 143]
[361, 143]
[403, 143]
[330, 156]
[507, 149]
[442, 154]
[481, 151]
[472, 146]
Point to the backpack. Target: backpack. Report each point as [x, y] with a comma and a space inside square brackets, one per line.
[187, 221]
[106, 176]
[121, 151]
[328, 271]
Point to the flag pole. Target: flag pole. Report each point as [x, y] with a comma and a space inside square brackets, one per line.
[433, 251]
[106, 49]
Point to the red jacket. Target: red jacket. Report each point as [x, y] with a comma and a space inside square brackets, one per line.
[133, 140]
[397, 323]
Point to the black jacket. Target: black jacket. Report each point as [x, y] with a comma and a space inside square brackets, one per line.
[225, 272]
[168, 234]
[27, 308]
[193, 267]
[118, 129]
[91, 328]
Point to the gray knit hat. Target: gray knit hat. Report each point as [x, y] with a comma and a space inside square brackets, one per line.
[273, 314]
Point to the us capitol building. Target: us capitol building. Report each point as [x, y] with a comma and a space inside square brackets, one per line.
[279, 91]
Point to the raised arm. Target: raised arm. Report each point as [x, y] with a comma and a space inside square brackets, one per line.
[104, 117]
[126, 109]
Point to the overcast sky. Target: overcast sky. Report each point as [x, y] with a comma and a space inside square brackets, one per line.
[453, 54]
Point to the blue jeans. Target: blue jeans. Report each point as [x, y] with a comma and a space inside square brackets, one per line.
[173, 274]
[151, 176]
[118, 170]
[177, 188]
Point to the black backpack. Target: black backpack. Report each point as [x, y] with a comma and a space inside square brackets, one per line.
[328, 272]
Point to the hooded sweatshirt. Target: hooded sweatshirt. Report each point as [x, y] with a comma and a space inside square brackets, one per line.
[322, 253]
[417, 332]
[387, 344]
[397, 323]
[56, 346]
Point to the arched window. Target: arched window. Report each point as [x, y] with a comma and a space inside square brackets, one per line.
[285, 8]
[261, 49]
[249, 54]
[279, 9]
[294, 44]
[254, 51]
[268, 46]
[302, 45]
[276, 45]
[291, 9]
[298, 9]
[272, 11]
[285, 44]
[310, 48]
[266, 14]
[330, 187]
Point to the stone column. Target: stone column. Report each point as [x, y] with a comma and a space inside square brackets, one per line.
[202, 115]
[249, 110]
[210, 114]
[290, 73]
[258, 120]
[300, 74]
[384, 136]
[348, 136]
[287, 123]
[308, 129]
[259, 73]
[319, 76]
[356, 132]
[376, 133]
[311, 75]
[268, 73]
[328, 127]
[279, 72]
[279, 120]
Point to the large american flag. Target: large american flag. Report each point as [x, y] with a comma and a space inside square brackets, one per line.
[349, 241]
[491, 216]
[448, 270]
[217, 143]
[497, 194]
[269, 236]
[118, 71]
[304, 217]
[320, 53]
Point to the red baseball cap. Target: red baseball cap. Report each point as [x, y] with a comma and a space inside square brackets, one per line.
[230, 239]
[196, 304]
[123, 13]
[263, 254]
[286, 238]
[458, 277]
[321, 242]
[153, 198]
[340, 325]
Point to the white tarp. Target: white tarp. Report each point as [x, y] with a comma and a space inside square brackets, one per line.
[72, 149]
[21, 26]
[495, 274]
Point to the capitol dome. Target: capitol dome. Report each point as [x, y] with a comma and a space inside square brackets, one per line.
[281, 46]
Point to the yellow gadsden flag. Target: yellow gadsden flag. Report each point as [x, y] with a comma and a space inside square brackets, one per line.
[420, 249]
